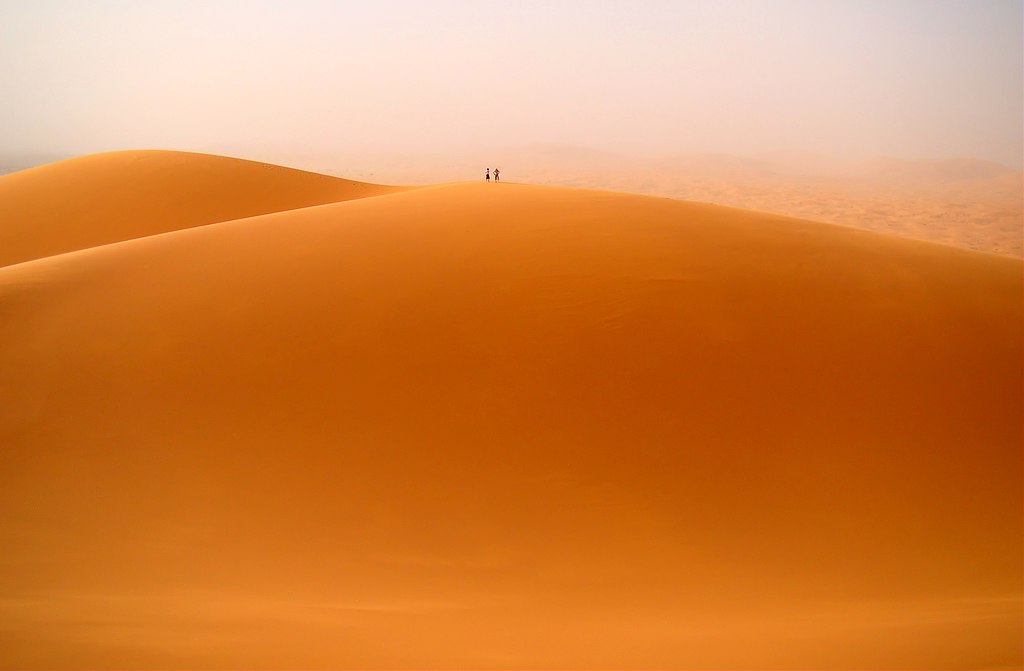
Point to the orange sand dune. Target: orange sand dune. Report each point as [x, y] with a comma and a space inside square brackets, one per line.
[103, 198]
[480, 426]
[966, 203]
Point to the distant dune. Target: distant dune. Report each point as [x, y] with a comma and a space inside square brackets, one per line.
[496, 426]
[967, 203]
[103, 198]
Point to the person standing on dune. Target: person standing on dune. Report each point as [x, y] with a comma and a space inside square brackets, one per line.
[495, 175]
[487, 176]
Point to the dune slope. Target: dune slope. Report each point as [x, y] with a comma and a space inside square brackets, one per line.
[475, 426]
[104, 198]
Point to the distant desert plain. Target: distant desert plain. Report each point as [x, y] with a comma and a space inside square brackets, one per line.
[254, 417]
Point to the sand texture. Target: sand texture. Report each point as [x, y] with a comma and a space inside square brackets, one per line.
[494, 426]
[967, 203]
[104, 198]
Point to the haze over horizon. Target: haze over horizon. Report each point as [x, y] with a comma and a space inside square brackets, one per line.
[315, 79]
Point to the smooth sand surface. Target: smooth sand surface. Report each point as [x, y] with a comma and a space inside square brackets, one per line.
[510, 426]
[102, 198]
[967, 203]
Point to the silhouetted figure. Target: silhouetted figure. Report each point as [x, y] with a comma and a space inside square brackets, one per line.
[495, 174]
[487, 176]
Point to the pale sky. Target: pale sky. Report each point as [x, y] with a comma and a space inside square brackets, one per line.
[903, 78]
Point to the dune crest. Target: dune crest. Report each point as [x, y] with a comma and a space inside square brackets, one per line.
[103, 198]
[483, 426]
[967, 203]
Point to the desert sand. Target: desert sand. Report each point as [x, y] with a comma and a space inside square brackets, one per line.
[494, 426]
[103, 198]
[968, 203]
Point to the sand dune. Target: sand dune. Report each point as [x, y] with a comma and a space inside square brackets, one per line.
[479, 426]
[103, 198]
[967, 203]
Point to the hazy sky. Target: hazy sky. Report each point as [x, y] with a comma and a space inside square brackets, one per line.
[907, 78]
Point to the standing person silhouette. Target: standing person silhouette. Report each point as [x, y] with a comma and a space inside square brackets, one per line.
[495, 175]
[487, 176]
